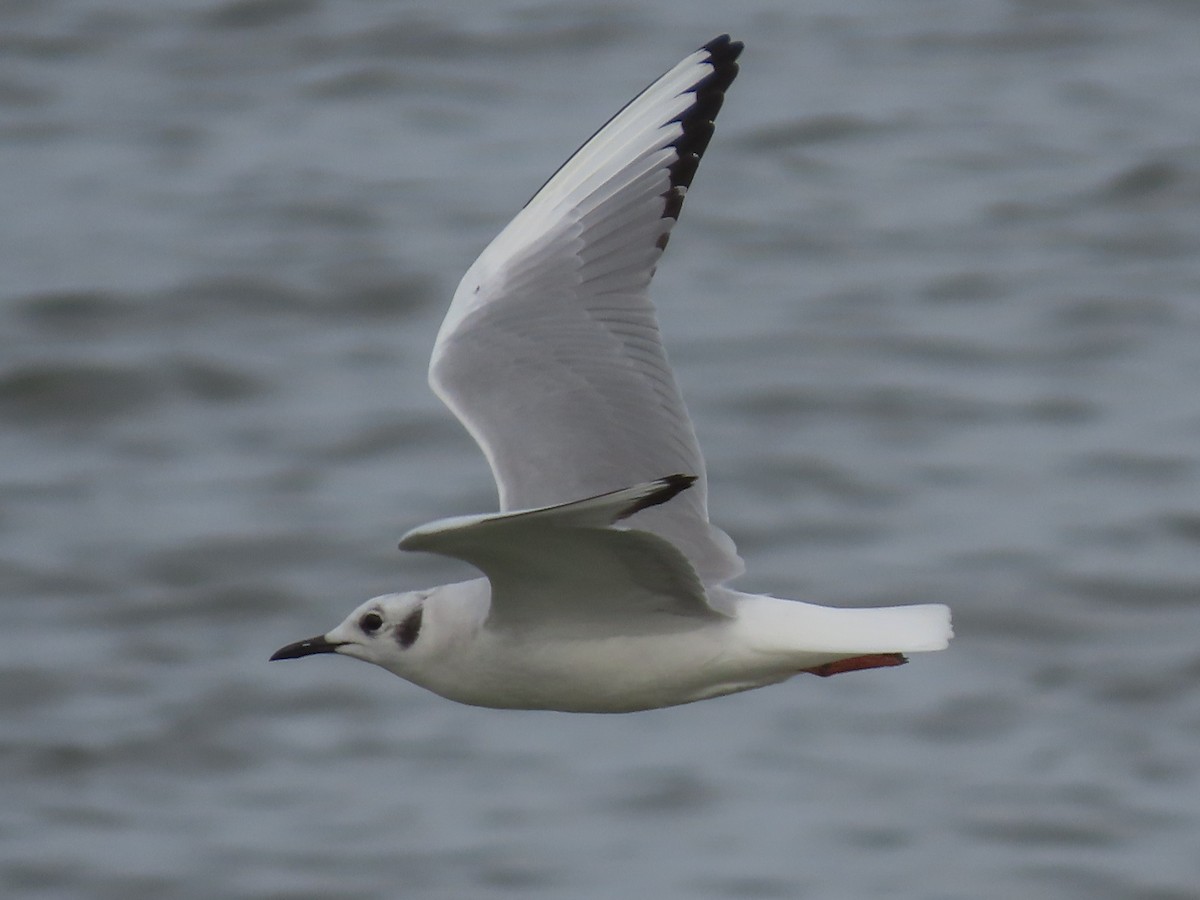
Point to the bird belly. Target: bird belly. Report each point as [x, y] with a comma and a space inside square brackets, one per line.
[623, 673]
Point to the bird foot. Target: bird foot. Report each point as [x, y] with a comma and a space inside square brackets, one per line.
[854, 663]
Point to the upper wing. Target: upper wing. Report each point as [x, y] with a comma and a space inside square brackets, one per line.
[550, 353]
[563, 567]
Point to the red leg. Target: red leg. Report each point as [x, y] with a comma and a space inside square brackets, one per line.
[854, 663]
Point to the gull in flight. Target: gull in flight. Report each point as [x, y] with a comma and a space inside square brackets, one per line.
[604, 584]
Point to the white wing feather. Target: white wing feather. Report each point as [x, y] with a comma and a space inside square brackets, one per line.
[550, 352]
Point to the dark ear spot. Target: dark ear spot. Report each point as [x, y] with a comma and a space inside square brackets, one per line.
[407, 631]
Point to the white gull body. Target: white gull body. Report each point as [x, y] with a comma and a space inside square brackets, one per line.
[604, 581]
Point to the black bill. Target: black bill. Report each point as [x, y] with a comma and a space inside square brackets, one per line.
[317, 644]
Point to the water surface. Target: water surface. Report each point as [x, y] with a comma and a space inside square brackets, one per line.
[933, 307]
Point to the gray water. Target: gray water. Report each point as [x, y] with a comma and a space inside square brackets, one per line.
[933, 304]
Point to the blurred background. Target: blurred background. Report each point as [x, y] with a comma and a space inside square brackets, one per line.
[932, 302]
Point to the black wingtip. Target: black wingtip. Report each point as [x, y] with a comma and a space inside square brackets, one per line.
[667, 488]
[698, 120]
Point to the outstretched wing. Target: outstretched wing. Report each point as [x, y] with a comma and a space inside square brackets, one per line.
[563, 567]
[550, 353]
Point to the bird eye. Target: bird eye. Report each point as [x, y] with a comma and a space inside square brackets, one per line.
[371, 622]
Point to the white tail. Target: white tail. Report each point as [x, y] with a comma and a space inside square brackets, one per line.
[783, 626]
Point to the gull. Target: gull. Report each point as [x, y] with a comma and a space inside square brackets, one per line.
[604, 583]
